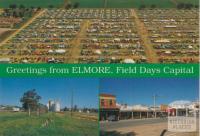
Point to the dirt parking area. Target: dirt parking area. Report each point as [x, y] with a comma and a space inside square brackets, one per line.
[4, 30]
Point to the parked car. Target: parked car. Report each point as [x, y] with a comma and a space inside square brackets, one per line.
[112, 118]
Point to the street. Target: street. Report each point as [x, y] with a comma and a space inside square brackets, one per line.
[127, 123]
[139, 127]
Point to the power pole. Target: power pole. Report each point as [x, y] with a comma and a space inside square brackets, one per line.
[72, 101]
[155, 96]
[29, 110]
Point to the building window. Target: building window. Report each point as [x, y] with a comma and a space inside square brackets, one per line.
[111, 102]
[102, 102]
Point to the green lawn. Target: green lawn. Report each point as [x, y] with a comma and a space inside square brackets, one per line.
[138, 3]
[19, 124]
[97, 3]
[121, 3]
[89, 3]
[29, 3]
[195, 2]
[127, 3]
[161, 4]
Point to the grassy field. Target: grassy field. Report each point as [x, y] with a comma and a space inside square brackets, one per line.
[98, 3]
[19, 124]
[29, 3]
[195, 2]
[89, 3]
[138, 3]
[130, 3]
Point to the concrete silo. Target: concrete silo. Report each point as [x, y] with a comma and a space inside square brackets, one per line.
[57, 106]
[53, 106]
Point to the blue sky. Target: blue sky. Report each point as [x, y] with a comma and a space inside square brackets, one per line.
[140, 90]
[130, 90]
[85, 90]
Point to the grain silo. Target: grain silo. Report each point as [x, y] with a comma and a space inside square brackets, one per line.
[53, 106]
[57, 106]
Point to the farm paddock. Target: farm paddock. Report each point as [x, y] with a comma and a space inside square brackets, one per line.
[97, 3]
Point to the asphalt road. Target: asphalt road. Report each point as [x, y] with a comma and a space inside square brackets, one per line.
[105, 126]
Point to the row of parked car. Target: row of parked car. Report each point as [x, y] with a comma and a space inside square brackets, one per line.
[174, 34]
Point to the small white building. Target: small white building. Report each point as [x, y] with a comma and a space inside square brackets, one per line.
[16, 109]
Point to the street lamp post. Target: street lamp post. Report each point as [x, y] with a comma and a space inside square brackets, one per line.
[154, 104]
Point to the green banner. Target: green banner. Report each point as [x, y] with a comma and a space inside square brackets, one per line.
[99, 70]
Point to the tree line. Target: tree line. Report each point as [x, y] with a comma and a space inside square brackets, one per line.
[178, 6]
[23, 11]
[31, 103]
[19, 11]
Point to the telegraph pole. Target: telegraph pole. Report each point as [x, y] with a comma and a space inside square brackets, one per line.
[155, 96]
[29, 110]
[72, 101]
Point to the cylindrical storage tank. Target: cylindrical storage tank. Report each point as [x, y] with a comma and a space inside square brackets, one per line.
[57, 106]
[51, 103]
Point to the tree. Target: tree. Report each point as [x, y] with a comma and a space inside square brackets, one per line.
[30, 100]
[196, 6]
[32, 7]
[21, 6]
[38, 8]
[180, 5]
[51, 6]
[142, 7]
[68, 6]
[75, 108]
[13, 6]
[85, 109]
[76, 5]
[65, 109]
[41, 109]
[153, 6]
[189, 6]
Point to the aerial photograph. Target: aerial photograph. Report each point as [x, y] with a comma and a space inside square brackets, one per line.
[146, 107]
[99, 31]
[48, 107]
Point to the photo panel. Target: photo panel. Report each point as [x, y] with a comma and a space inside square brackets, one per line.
[49, 107]
[149, 106]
